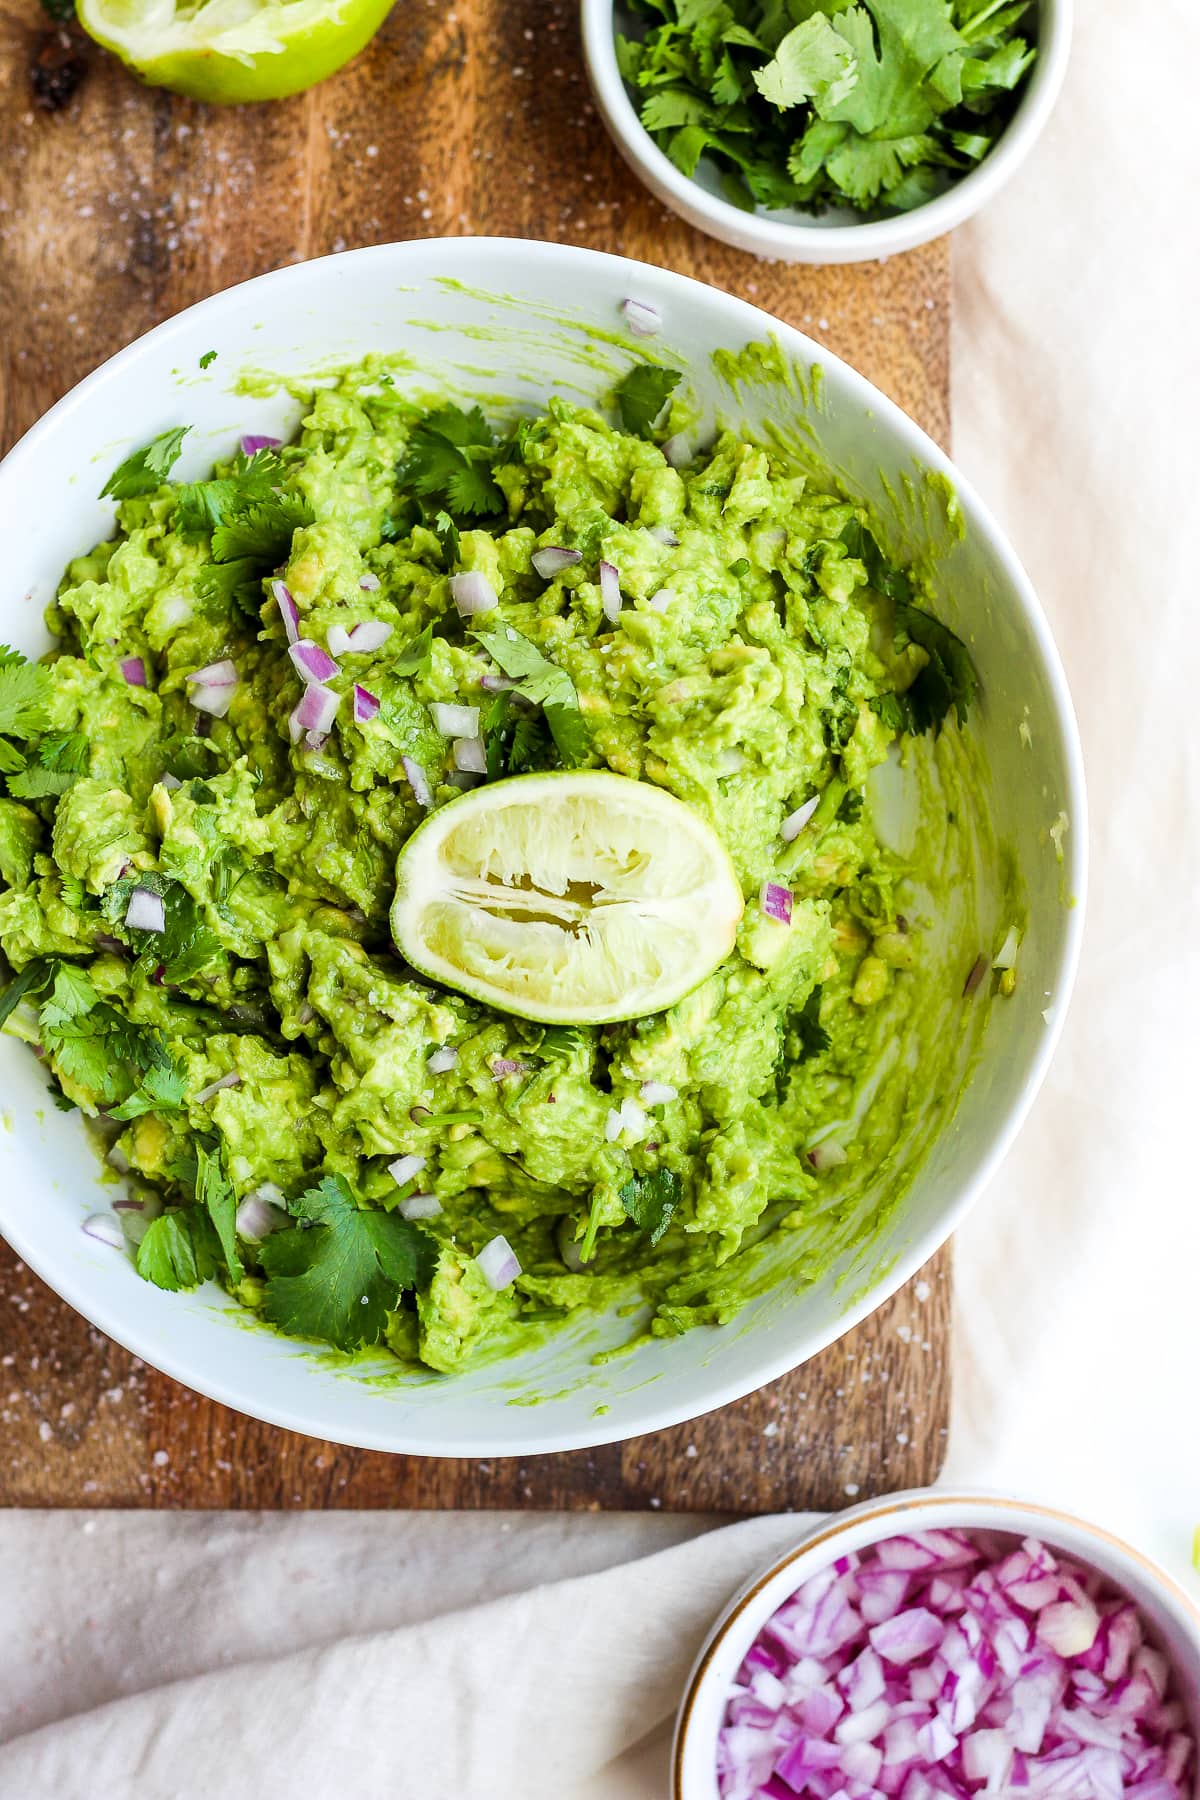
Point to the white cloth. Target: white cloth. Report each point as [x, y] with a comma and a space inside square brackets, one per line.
[491, 1657]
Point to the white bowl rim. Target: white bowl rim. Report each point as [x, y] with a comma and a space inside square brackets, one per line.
[317, 1418]
[973, 1509]
[765, 236]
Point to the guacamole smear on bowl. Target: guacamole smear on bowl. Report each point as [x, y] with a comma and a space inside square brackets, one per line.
[269, 679]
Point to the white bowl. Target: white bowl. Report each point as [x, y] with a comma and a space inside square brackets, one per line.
[842, 235]
[1170, 1611]
[548, 320]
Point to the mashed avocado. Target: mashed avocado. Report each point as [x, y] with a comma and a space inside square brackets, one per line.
[198, 849]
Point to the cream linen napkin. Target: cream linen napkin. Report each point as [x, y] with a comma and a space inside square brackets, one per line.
[489, 1658]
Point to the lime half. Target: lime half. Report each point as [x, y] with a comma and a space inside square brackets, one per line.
[571, 898]
[228, 51]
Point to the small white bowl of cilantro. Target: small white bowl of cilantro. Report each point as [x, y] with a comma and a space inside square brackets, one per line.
[824, 132]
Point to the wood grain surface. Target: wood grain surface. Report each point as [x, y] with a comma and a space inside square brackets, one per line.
[120, 205]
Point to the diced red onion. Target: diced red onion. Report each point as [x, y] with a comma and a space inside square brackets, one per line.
[315, 740]
[775, 901]
[215, 700]
[311, 663]
[507, 1065]
[498, 1264]
[260, 1213]
[901, 1672]
[456, 721]
[795, 822]
[316, 711]
[337, 640]
[218, 674]
[642, 319]
[405, 1167]
[134, 671]
[610, 591]
[828, 1154]
[369, 635]
[657, 1093]
[232, 1080]
[470, 756]
[366, 705]
[418, 781]
[253, 442]
[677, 450]
[117, 1159]
[369, 583]
[170, 782]
[146, 911]
[289, 611]
[664, 598]
[472, 593]
[492, 683]
[1006, 955]
[442, 1061]
[129, 1206]
[420, 1206]
[730, 761]
[553, 559]
[105, 1229]
[664, 535]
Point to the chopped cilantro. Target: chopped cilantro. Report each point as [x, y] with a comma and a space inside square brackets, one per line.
[516, 741]
[339, 1272]
[93, 1045]
[414, 658]
[811, 1036]
[850, 808]
[447, 535]
[650, 1201]
[59, 760]
[214, 1191]
[147, 469]
[161, 1090]
[207, 360]
[24, 691]
[180, 1250]
[642, 394]
[449, 461]
[186, 947]
[544, 684]
[878, 105]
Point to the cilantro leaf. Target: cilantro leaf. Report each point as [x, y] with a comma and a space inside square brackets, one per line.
[185, 947]
[449, 460]
[200, 506]
[650, 1201]
[209, 357]
[948, 681]
[414, 658]
[147, 469]
[232, 586]
[516, 741]
[642, 393]
[544, 684]
[811, 62]
[261, 530]
[92, 1044]
[60, 759]
[24, 692]
[811, 1036]
[338, 1274]
[179, 1250]
[33, 977]
[214, 1191]
[161, 1090]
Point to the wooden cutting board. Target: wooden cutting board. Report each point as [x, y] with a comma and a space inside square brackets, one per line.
[120, 205]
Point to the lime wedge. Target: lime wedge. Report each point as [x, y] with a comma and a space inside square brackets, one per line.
[570, 898]
[229, 51]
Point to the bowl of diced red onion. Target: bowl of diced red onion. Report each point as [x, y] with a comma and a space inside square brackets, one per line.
[938, 1647]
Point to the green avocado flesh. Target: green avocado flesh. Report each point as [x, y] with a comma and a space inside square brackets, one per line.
[268, 1042]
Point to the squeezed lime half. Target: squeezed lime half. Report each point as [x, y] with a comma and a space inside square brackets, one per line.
[229, 51]
[568, 898]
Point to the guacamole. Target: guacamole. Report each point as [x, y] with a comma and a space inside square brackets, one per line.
[263, 684]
